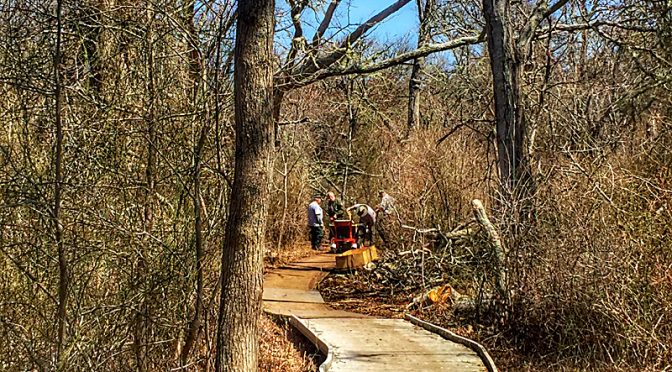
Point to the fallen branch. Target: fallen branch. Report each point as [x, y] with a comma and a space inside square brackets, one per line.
[451, 235]
[499, 251]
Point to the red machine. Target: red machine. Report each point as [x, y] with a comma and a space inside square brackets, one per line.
[344, 236]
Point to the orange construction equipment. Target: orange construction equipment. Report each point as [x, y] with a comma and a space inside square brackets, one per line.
[344, 236]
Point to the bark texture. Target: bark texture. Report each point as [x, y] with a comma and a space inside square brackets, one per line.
[242, 275]
[506, 84]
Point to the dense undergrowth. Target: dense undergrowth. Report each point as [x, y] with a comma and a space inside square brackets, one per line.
[590, 275]
[147, 170]
[283, 349]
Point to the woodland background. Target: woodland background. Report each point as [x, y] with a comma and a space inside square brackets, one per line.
[116, 165]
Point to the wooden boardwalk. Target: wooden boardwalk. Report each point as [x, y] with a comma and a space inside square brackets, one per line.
[355, 342]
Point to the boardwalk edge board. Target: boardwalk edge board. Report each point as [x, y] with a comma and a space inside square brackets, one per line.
[478, 348]
[312, 337]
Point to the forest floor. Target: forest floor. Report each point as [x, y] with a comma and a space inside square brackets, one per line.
[284, 349]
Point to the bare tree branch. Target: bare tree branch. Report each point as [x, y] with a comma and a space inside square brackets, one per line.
[310, 66]
[541, 12]
[595, 24]
[325, 22]
[298, 40]
[305, 79]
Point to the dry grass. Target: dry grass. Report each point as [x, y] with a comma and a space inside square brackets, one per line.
[283, 349]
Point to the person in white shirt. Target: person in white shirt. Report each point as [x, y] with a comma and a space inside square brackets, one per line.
[367, 219]
[383, 210]
[315, 223]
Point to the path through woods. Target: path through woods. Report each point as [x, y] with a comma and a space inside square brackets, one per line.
[357, 342]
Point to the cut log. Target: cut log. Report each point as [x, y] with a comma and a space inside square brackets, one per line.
[437, 295]
[356, 258]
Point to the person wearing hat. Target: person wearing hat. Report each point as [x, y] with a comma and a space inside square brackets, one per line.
[315, 214]
[367, 219]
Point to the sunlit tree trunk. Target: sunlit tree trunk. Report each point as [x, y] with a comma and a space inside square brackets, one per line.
[509, 116]
[242, 253]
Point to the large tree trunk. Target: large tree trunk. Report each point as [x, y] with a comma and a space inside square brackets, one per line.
[240, 303]
[513, 170]
[415, 83]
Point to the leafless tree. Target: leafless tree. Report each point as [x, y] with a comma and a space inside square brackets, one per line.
[244, 242]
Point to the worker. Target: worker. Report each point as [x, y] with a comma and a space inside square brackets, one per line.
[383, 212]
[386, 203]
[367, 219]
[334, 207]
[315, 222]
[335, 211]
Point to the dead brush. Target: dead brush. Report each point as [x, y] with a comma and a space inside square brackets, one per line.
[430, 258]
[593, 277]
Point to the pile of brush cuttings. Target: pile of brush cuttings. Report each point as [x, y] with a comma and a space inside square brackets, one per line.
[424, 272]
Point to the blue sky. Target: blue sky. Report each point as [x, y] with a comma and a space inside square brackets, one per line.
[351, 13]
[398, 25]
